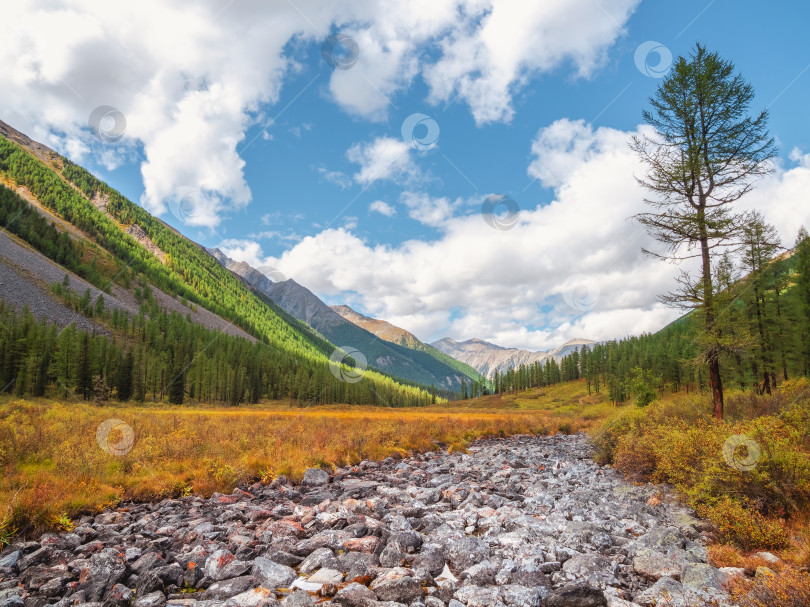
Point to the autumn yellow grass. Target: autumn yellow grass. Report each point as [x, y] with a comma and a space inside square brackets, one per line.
[54, 469]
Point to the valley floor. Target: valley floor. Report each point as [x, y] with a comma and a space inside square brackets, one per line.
[65, 461]
[522, 521]
[56, 468]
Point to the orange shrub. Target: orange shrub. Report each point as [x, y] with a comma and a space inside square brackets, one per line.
[745, 526]
[788, 588]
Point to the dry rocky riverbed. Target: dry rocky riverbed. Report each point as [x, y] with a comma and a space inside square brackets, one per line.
[517, 522]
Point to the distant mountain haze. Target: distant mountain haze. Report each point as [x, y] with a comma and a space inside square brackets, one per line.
[486, 358]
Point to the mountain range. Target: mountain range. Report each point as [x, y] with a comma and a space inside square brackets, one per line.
[396, 335]
[487, 358]
[410, 360]
[392, 349]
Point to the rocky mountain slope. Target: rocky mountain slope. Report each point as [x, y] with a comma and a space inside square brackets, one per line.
[486, 358]
[26, 276]
[35, 272]
[385, 330]
[518, 522]
[381, 328]
[423, 367]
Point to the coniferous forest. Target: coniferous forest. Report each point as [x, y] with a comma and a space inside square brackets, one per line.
[766, 320]
[157, 356]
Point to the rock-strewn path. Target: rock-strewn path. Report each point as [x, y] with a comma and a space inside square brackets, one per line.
[518, 522]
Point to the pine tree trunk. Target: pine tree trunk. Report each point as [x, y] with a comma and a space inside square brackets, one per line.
[717, 387]
[712, 356]
[766, 383]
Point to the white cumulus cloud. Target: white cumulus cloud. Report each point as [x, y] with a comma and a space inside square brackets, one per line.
[191, 79]
[383, 158]
[382, 207]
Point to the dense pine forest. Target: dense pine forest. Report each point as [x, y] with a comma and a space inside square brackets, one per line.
[156, 356]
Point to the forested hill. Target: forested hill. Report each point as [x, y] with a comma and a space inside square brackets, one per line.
[765, 316]
[96, 234]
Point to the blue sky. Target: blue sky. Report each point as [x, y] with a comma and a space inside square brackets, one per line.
[267, 151]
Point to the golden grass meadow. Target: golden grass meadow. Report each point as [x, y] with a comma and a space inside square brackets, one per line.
[54, 468]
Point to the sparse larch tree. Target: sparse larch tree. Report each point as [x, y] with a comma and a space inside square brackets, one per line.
[705, 153]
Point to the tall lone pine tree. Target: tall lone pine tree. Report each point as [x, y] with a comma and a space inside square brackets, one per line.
[705, 153]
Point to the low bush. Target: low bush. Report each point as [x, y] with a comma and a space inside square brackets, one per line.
[749, 476]
[788, 588]
[743, 526]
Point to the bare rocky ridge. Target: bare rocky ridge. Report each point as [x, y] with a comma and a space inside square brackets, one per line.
[486, 358]
[138, 233]
[381, 328]
[518, 522]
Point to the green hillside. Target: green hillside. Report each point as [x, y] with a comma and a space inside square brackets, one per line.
[459, 366]
[298, 357]
[405, 342]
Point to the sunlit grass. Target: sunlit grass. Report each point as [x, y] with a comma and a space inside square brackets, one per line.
[53, 465]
